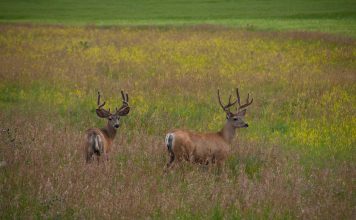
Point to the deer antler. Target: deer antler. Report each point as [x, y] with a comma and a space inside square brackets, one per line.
[103, 113]
[100, 105]
[226, 107]
[248, 102]
[125, 108]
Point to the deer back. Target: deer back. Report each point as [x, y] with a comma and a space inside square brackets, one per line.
[199, 147]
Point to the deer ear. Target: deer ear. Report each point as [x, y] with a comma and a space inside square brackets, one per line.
[242, 113]
[102, 113]
[229, 115]
[124, 111]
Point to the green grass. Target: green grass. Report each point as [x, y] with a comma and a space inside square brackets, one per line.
[295, 160]
[318, 15]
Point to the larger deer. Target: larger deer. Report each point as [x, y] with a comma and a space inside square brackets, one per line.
[98, 141]
[207, 147]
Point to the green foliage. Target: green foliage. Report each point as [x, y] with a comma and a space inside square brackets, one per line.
[217, 213]
[326, 16]
[10, 93]
[252, 165]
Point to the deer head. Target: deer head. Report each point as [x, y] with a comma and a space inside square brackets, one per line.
[236, 119]
[114, 118]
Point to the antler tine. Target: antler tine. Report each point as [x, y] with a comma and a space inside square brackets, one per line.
[226, 107]
[248, 102]
[100, 111]
[248, 97]
[125, 97]
[230, 104]
[222, 106]
[122, 95]
[100, 105]
[238, 96]
[125, 108]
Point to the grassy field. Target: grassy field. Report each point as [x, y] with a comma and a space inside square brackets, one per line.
[335, 16]
[296, 159]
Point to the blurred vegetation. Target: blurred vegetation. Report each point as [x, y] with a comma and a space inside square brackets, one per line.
[335, 16]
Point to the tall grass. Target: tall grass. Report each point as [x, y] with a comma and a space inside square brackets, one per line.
[296, 160]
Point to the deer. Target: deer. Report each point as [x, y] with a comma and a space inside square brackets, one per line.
[205, 148]
[98, 141]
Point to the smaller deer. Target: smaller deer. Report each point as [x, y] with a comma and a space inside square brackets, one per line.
[98, 141]
[207, 148]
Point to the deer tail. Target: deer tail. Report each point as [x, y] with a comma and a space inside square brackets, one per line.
[169, 142]
[97, 144]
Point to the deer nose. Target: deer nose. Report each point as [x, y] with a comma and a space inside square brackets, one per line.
[246, 125]
[116, 126]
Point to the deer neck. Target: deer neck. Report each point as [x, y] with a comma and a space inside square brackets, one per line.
[228, 132]
[109, 131]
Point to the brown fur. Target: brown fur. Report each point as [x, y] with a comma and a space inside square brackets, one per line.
[203, 148]
[107, 136]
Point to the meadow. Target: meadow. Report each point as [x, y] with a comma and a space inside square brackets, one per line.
[296, 159]
[335, 16]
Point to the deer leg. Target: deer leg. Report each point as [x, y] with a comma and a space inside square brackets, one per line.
[171, 160]
[209, 163]
[191, 158]
[88, 157]
[98, 158]
[105, 156]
